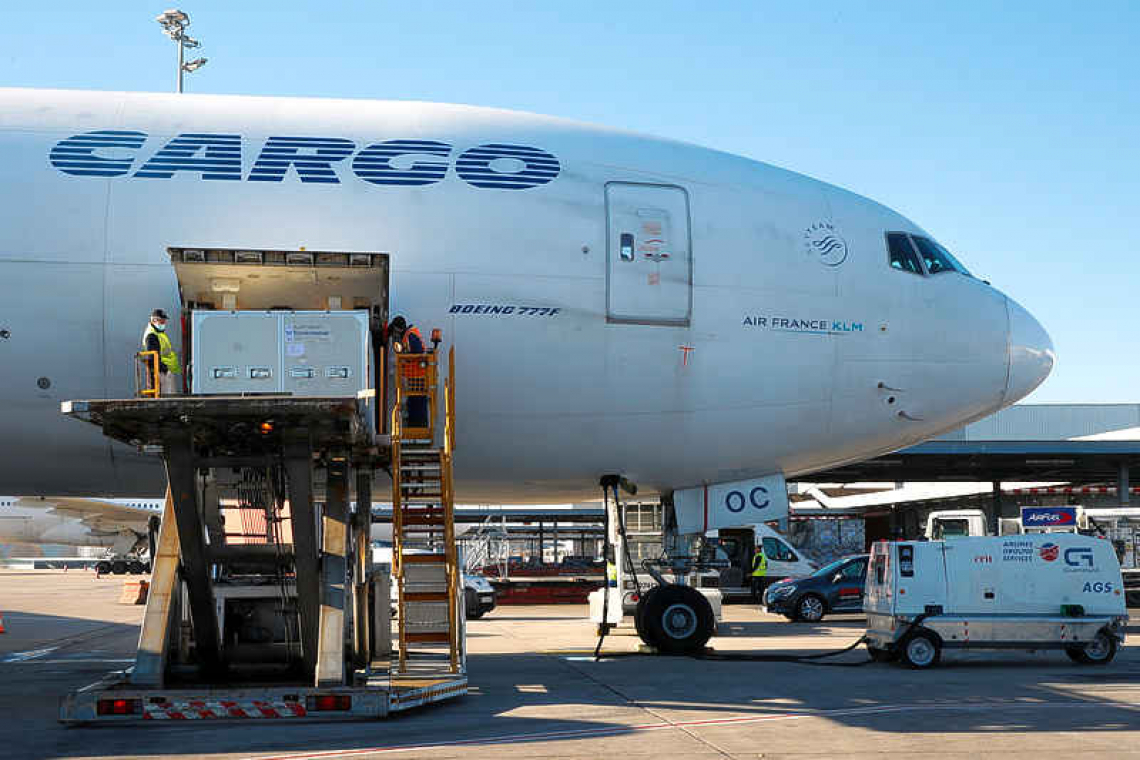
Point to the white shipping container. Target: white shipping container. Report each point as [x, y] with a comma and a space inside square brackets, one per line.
[302, 353]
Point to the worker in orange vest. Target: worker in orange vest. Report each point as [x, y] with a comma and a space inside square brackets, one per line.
[406, 339]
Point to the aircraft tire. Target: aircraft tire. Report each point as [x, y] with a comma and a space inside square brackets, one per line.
[134, 567]
[103, 567]
[639, 614]
[118, 567]
[677, 620]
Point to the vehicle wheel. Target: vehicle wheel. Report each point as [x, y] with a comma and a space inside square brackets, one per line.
[471, 602]
[1075, 653]
[810, 608]
[134, 567]
[881, 655]
[639, 613]
[103, 567]
[677, 620]
[118, 567]
[146, 567]
[921, 650]
[1099, 651]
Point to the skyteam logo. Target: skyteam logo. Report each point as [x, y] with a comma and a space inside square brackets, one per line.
[823, 241]
[317, 160]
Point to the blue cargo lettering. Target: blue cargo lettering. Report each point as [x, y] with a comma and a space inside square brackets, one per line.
[311, 157]
[1099, 587]
[211, 156]
[500, 166]
[497, 165]
[374, 163]
[77, 155]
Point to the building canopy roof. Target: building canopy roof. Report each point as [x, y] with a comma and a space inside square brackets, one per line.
[1074, 443]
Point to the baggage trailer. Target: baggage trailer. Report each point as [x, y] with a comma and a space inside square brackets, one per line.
[1032, 591]
[289, 618]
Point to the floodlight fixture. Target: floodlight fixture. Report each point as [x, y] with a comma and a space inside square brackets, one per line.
[174, 23]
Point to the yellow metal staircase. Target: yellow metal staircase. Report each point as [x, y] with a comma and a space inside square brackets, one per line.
[426, 563]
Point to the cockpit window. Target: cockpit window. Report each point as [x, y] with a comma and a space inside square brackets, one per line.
[902, 255]
[920, 255]
[937, 258]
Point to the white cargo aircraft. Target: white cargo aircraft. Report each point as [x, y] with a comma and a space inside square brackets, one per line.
[121, 527]
[618, 303]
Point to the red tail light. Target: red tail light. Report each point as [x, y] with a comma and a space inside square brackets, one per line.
[324, 702]
[118, 707]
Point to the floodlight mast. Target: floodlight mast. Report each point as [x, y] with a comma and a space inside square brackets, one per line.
[174, 23]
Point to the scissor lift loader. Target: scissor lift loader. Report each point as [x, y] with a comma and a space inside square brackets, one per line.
[289, 619]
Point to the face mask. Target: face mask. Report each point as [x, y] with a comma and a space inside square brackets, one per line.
[160, 328]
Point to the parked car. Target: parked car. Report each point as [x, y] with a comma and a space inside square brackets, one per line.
[478, 595]
[837, 587]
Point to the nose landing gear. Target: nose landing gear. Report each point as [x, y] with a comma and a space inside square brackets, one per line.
[671, 617]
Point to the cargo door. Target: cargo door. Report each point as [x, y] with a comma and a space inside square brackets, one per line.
[649, 262]
[738, 546]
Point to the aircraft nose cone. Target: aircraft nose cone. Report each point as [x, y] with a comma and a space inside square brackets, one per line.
[1031, 354]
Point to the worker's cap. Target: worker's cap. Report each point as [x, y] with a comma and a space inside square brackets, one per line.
[159, 313]
[399, 323]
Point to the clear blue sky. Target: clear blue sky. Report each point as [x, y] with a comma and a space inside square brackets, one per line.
[1009, 130]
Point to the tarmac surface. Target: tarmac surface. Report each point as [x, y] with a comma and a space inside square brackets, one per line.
[537, 692]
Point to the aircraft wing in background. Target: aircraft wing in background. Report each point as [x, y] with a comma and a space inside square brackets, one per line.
[98, 515]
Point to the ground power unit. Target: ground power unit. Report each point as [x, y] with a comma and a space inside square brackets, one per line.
[1032, 591]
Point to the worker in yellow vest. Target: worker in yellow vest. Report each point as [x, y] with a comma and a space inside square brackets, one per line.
[169, 369]
[759, 574]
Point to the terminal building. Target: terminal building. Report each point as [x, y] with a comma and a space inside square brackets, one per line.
[1027, 455]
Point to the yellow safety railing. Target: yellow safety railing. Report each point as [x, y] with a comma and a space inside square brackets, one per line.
[416, 375]
[146, 377]
[449, 404]
[454, 571]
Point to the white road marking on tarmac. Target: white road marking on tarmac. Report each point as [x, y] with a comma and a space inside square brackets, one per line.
[31, 654]
[733, 720]
[66, 661]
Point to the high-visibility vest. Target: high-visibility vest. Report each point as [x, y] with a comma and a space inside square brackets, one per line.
[412, 369]
[412, 331]
[759, 564]
[166, 353]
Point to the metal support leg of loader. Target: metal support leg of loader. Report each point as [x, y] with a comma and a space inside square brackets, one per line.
[299, 472]
[334, 568]
[181, 474]
[362, 528]
[150, 660]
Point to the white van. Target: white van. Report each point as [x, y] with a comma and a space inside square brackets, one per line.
[1034, 591]
[739, 545]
